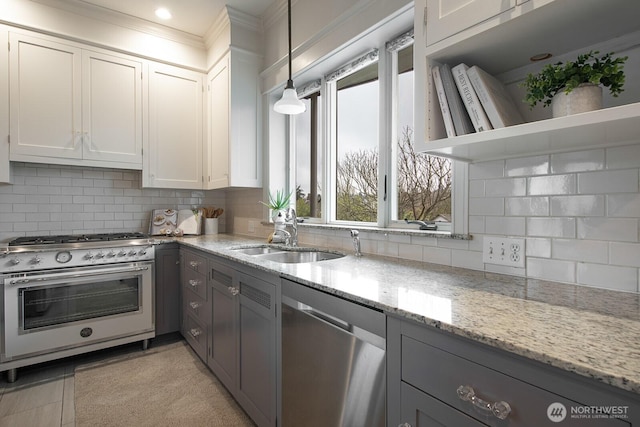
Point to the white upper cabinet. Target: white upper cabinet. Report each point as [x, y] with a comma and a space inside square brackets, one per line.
[233, 148]
[4, 109]
[173, 154]
[74, 106]
[112, 108]
[448, 17]
[45, 84]
[502, 45]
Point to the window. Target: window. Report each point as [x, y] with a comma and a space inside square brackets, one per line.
[356, 140]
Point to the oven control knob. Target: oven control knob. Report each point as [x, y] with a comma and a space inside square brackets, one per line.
[122, 253]
[131, 253]
[89, 255]
[36, 260]
[15, 261]
[111, 254]
[142, 252]
[99, 255]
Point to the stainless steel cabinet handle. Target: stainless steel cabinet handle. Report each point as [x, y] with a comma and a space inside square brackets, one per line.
[404, 425]
[194, 282]
[195, 332]
[234, 291]
[194, 264]
[499, 409]
[194, 305]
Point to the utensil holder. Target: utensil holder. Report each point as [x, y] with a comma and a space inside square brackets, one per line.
[211, 226]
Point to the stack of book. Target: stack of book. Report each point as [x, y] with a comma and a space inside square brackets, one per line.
[472, 100]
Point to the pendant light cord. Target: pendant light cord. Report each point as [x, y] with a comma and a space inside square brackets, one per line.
[290, 81]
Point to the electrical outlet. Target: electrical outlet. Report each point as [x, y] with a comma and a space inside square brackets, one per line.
[503, 251]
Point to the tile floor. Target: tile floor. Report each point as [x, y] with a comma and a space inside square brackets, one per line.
[43, 395]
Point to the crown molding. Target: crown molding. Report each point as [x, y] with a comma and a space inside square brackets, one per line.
[230, 16]
[98, 13]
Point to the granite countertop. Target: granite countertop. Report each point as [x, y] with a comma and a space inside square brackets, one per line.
[592, 332]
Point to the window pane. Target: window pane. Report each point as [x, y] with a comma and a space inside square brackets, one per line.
[309, 159]
[424, 182]
[357, 146]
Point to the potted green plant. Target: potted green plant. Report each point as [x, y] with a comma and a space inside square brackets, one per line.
[278, 203]
[551, 85]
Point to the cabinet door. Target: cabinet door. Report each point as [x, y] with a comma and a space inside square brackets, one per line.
[173, 158]
[4, 109]
[446, 18]
[112, 108]
[218, 145]
[45, 97]
[257, 352]
[167, 290]
[223, 355]
[421, 410]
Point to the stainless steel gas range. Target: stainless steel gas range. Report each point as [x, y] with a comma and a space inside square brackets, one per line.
[66, 295]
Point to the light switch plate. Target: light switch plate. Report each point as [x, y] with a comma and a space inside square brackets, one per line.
[503, 251]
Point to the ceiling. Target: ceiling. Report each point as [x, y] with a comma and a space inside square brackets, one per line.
[191, 16]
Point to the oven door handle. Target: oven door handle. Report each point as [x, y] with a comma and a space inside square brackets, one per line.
[73, 276]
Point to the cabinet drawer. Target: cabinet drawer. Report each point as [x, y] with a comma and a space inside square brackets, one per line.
[196, 335]
[195, 306]
[196, 282]
[195, 262]
[440, 374]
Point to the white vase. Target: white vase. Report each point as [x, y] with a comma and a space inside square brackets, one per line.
[211, 226]
[586, 97]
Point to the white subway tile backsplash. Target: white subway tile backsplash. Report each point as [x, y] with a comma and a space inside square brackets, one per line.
[623, 157]
[510, 226]
[436, 255]
[505, 187]
[550, 269]
[608, 276]
[624, 254]
[552, 185]
[618, 181]
[580, 250]
[476, 224]
[551, 227]
[486, 170]
[486, 206]
[578, 161]
[609, 229]
[623, 205]
[537, 165]
[476, 188]
[576, 206]
[538, 247]
[527, 206]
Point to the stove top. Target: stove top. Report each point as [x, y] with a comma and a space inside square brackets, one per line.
[62, 251]
[76, 238]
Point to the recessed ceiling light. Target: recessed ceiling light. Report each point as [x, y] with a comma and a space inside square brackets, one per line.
[163, 13]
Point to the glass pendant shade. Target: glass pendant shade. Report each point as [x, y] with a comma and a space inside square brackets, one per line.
[289, 103]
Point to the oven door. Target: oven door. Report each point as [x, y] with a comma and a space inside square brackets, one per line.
[52, 310]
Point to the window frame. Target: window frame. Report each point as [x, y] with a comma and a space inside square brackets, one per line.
[387, 76]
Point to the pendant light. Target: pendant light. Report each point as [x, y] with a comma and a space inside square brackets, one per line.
[289, 103]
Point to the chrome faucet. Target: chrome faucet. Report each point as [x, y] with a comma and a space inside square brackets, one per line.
[355, 234]
[284, 234]
[292, 219]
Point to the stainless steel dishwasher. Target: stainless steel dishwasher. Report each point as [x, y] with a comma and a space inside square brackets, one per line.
[333, 360]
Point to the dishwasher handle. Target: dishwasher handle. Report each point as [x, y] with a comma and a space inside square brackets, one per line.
[346, 326]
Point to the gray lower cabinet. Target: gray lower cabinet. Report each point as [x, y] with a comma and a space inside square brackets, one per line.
[242, 336]
[167, 287]
[435, 378]
[195, 303]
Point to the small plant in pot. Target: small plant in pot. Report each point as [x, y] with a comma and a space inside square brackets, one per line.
[278, 203]
[554, 81]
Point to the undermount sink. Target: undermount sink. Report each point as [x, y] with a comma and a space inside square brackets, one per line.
[288, 255]
[258, 250]
[291, 257]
